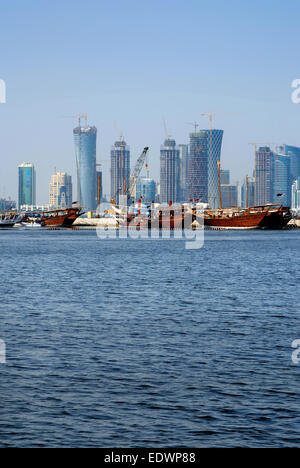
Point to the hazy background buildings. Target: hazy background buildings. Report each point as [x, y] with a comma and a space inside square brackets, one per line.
[248, 192]
[6, 205]
[229, 192]
[276, 171]
[146, 190]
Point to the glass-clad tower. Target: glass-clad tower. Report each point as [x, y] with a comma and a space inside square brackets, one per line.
[85, 139]
[215, 138]
[27, 185]
[294, 153]
[282, 181]
[198, 167]
[205, 152]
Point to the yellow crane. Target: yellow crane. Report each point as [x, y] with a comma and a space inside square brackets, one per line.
[79, 117]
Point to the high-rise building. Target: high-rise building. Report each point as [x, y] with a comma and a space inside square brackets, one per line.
[229, 192]
[198, 167]
[296, 196]
[99, 186]
[294, 153]
[273, 177]
[60, 190]
[169, 172]
[85, 139]
[229, 195]
[225, 177]
[146, 189]
[264, 176]
[215, 138]
[205, 152]
[120, 169]
[282, 182]
[27, 185]
[184, 167]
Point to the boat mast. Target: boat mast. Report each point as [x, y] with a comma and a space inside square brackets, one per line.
[219, 180]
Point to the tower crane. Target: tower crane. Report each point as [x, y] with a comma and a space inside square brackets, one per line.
[79, 117]
[136, 172]
[211, 115]
[195, 125]
[129, 189]
[118, 131]
[168, 134]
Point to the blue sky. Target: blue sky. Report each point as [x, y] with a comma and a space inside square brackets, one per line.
[136, 62]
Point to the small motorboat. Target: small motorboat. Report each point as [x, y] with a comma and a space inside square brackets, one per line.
[8, 221]
[32, 225]
[32, 221]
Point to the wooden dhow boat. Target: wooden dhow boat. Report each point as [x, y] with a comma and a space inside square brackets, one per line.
[61, 217]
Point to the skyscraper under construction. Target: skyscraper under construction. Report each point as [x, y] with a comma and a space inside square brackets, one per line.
[169, 172]
[205, 152]
[120, 169]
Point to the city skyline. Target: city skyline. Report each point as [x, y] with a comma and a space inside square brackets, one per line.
[274, 172]
[44, 86]
[278, 148]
